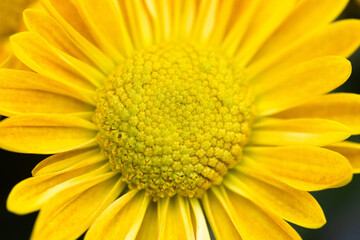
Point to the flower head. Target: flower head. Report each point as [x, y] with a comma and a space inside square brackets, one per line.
[165, 115]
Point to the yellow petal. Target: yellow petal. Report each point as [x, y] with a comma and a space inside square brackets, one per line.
[64, 160]
[85, 115]
[19, 79]
[293, 205]
[12, 62]
[268, 16]
[243, 13]
[115, 40]
[122, 219]
[162, 207]
[342, 183]
[160, 12]
[37, 54]
[307, 16]
[176, 24]
[202, 231]
[22, 101]
[221, 224]
[304, 168]
[23, 92]
[70, 212]
[251, 220]
[45, 134]
[5, 53]
[205, 20]
[139, 24]
[64, 13]
[44, 25]
[223, 14]
[187, 13]
[350, 150]
[301, 131]
[340, 107]
[148, 231]
[345, 39]
[175, 221]
[265, 83]
[30, 194]
[307, 81]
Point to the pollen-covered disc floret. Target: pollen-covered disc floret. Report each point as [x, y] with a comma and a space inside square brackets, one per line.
[173, 119]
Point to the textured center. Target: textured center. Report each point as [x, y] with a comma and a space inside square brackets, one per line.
[173, 119]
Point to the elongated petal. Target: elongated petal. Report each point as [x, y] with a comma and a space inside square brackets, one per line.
[67, 11]
[115, 40]
[185, 21]
[41, 23]
[266, 19]
[64, 13]
[41, 57]
[176, 220]
[205, 20]
[45, 134]
[85, 115]
[304, 168]
[308, 80]
[342, 183]
[162, 207]
[250, 220]
[32, 81]
[350, 150]
[293, 205]
[223, 14]
[221, 224]
[302, 131]
[70, 212]
[5, 53]
[177, 11]
[147, 230]
[64, 160]
[140, 24]
[202, 231]
[243, 16]
[122, 219]
[34, 52]
[253, 221]
[21, 101]
[340, 107]
[307, 16]
[160, 12]
[30, 194]
[345, 39]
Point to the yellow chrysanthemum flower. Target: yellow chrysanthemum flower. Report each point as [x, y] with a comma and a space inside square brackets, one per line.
[164, 115]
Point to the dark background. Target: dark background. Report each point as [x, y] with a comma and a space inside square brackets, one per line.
[341, 206]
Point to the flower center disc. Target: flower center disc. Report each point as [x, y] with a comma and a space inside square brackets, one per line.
[173, 119]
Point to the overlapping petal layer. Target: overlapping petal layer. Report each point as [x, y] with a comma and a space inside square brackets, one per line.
[30, 194]
[56, 216]
[300, 131]
[304, 168]
[45, 134]
[340, 107]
